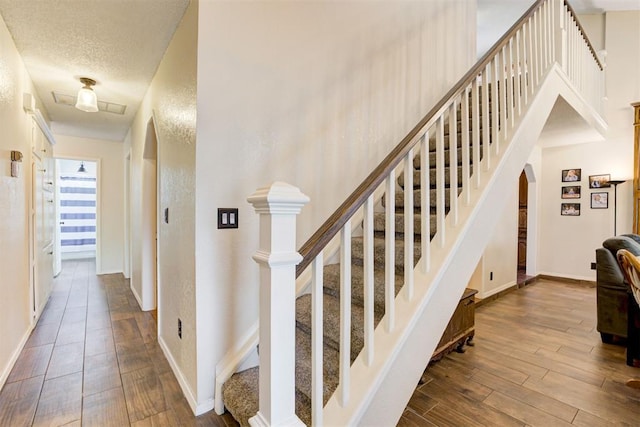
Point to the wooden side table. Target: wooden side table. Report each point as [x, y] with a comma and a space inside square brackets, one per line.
[461, 327]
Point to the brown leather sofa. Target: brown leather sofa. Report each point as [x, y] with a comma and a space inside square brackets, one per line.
[613, 294]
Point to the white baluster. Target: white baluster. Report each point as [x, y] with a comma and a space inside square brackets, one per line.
[390, 252]
[485, 118]
[408, 225]
[317, 398]
[465, 145]
[440, 189]
[425, 203]
[495, 103]
[277, 205]
[345, 314]
[453, 162]
[475, 132]
[368, 282]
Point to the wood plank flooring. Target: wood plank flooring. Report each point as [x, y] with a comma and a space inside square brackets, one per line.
[537, 361]
[93, 360]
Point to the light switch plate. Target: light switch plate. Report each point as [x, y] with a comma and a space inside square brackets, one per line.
[227, 218]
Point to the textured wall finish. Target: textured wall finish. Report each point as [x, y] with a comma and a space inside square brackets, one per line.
[16, 128]
[171, 104]
[311, 93]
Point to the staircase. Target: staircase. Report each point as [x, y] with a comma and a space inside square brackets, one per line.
[448, 167]
[240, 393]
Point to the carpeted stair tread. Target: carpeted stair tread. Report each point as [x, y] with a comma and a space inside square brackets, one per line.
[331, 282]
[330, 368]
[432, 177]
[331, 322]
[447, 157]
[357, 252]
[417, 198]
[379, 223]
[241, 399]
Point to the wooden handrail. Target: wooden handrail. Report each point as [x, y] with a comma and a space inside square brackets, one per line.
[584, 34]
[312, 247]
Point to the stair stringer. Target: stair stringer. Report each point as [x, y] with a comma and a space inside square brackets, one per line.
[379, 393]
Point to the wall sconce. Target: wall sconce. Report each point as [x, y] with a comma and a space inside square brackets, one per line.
[16, 162]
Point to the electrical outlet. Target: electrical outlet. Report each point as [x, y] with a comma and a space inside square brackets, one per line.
[179, 328]
[593, 265]
[491, 276]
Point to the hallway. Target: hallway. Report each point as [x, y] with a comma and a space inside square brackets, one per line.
[94, 360]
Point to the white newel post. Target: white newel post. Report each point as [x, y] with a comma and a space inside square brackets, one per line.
[277, 205]
[560, 28]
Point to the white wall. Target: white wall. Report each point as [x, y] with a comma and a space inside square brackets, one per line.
[15, 320]
[171, 102]
[109, 155]
[568, 244]
[311, 93]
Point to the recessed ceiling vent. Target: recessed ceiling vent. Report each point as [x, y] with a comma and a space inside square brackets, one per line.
[70, 101]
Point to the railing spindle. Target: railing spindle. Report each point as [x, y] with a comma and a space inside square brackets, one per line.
[425, 203]
[368, 281]
[485, 118]
[517, 75]
[345, 314]
[453, 162]
[408, 225]
[495, 102]
[390, 251]
[466, 147]
[440, 187]
[475, 133]
[504, 88]
[317, 286]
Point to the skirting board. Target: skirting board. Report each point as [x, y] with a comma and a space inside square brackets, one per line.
[198, 409]
[14, 356]
[135, 294]
[575, 279]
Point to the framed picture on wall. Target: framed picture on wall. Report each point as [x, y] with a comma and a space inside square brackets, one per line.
[599, 200]
[571, 175]
[599, 181]
[571, 192]
[570, 209]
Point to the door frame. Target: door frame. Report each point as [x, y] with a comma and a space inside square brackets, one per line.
[57, 247]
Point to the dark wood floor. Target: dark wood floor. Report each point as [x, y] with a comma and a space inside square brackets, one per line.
[93, 360]
[537, 361]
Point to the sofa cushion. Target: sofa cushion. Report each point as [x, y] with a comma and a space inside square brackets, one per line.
[614, 244]
[634, 237]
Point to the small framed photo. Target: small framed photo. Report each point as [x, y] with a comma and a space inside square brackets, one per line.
[571, 192]
[570, 209]
[599, 181]
[571, 175]
[599, 200]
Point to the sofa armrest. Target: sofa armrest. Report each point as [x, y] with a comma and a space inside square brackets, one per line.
[608, 272]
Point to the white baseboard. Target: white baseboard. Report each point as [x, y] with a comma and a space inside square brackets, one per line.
[135, 294]
[568, 276]
[507, 285]
[198, 409]
[14, 357]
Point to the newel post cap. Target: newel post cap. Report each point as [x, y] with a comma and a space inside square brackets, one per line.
[279, 197]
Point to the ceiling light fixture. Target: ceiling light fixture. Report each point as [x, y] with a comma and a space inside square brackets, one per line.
[87, 99]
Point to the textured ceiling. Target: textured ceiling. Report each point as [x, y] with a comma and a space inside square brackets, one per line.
[119, 43]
